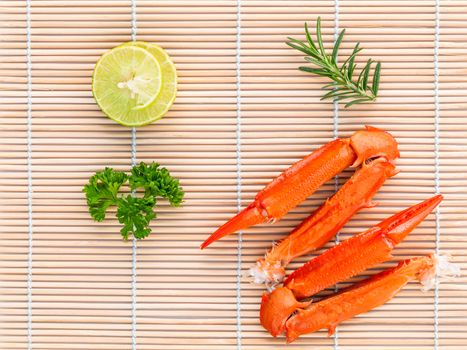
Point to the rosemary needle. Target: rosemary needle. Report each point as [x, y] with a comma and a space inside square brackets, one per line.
[345, 87]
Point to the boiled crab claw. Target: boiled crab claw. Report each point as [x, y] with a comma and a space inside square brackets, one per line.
[303, 178]
[341, 262]
[367, 295]
[325, 222]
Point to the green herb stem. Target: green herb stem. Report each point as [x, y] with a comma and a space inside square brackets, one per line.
[344, 87]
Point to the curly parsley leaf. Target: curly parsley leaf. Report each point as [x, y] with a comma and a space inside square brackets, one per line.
[133, 211]
[157, 182]
[102, 190]
[135, 214]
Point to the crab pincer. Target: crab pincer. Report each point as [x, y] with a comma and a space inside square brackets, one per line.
[325, 222]
[359, 252]
[343, 261]
[367, 295]
[303, 178]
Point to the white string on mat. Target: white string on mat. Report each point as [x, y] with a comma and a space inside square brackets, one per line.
[133, 20]
[29, 168]
[134, 246]
[133, 295]
[239, 173]
[437, 165]
[336, 135]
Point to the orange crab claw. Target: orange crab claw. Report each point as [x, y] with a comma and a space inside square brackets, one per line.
[373, 142]
[251, 215]
[303, 178]
[325, 222]
[273, 319]
[341, 262]
[399, 225]
[365, 296]
[359, 252]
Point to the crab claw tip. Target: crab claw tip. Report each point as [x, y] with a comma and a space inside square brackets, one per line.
[249, 216]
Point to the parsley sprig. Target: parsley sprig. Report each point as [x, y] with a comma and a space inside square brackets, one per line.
[135, 210]
[344, 85]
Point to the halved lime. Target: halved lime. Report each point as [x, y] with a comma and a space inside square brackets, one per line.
[126, 79]
[135, 83]
[168, 92]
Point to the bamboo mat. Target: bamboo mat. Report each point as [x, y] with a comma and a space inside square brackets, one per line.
[243, 114]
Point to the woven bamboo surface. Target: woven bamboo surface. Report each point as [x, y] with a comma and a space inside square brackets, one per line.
[243, 114]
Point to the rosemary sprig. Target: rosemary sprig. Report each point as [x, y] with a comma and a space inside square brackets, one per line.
[344, 86]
